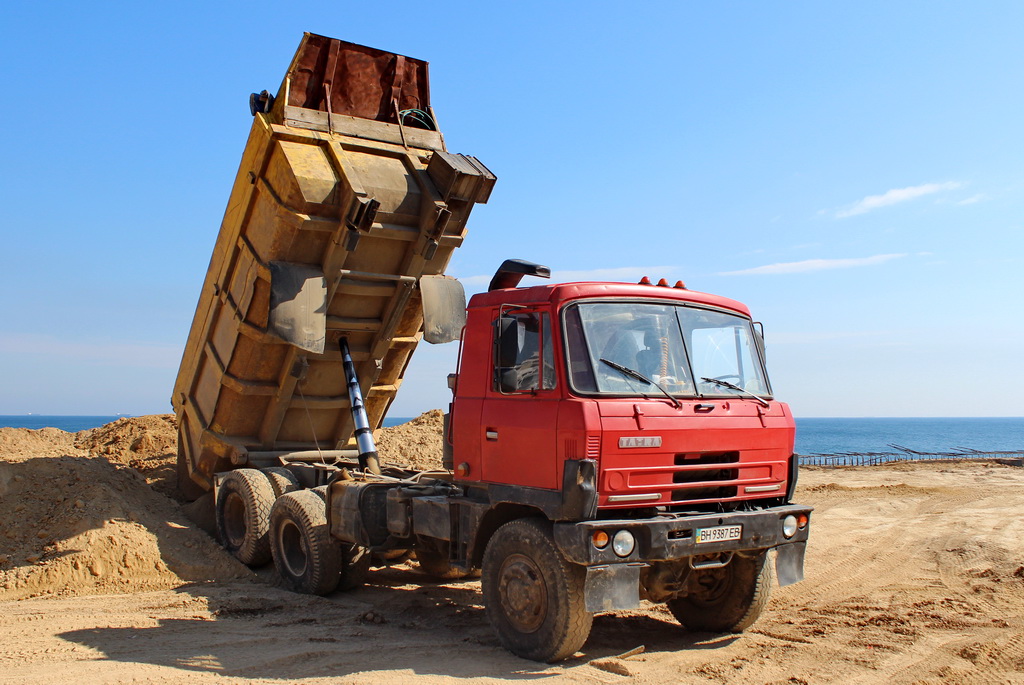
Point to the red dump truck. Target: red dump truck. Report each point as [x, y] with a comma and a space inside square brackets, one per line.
[606, 443]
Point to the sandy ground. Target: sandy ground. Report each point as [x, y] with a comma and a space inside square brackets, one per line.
[915, 574]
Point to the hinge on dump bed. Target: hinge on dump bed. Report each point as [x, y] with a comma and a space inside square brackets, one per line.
[360, 220]
[460, 177]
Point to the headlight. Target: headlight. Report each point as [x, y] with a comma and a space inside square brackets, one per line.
[624, 542]
[789, 526]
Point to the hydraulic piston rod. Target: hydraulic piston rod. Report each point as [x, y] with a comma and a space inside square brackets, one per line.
[363, 433]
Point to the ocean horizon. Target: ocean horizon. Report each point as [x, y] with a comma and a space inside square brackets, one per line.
[813, 435]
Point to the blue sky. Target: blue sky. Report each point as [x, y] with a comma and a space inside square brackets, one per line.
[853, 172]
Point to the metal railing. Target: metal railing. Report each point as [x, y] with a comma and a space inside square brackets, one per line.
[900, 453]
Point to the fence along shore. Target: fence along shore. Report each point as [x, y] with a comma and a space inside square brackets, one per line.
[901, 453]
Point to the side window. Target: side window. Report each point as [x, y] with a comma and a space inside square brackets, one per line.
[523, 348]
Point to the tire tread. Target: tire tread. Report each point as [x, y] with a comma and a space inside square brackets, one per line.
[552, 642]
[258, 495]
[324, 561]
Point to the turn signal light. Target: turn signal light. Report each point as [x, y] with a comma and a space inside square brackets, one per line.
[600, 539]
[801, 521]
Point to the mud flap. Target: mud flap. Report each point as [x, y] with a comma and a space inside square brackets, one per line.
[789, 563]
[613, 587]
[298, 305]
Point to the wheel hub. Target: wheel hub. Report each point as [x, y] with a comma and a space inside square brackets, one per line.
[293, 545]
[523, 593]
[714, 585]
[234, 519]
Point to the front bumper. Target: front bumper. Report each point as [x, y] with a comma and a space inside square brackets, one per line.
[613, 581]
[673, 536]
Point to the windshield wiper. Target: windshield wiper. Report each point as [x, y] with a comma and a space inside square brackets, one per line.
[640, 377]
[727, 384]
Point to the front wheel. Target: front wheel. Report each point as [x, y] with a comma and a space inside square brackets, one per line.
[729, 599]
[533, 596]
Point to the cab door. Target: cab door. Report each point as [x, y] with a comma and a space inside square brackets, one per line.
[520, 411]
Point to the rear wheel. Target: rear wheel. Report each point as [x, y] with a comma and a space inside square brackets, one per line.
[282, 480]
[305, 555]
[730, 599]
[244, 499]
[533, 596]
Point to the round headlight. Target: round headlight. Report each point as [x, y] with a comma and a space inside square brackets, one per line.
[789, 526]
[623, 543]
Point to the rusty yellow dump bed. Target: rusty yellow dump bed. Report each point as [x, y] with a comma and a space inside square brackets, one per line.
[344, 199]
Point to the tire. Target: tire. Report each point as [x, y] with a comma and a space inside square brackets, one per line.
[282, 480]
[533, 596]
[732, 599]
[305, 555]
[189, 489]
[244, 499]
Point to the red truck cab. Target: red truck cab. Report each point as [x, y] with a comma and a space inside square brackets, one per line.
[701, 433]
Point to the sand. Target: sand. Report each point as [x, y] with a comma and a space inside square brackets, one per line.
[915, 574]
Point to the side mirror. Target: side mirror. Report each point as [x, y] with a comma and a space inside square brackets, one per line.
[507, 341]
[444, 308]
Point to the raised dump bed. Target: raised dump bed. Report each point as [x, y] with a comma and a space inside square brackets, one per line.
[344, 199]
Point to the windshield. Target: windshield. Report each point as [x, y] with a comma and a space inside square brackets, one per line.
[674, 346]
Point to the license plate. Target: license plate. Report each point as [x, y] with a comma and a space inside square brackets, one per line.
[719, 534]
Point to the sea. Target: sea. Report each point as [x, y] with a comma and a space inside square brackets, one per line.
[813, 436]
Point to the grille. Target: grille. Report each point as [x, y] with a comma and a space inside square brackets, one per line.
[720, 467]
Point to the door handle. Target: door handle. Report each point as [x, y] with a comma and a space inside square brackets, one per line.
[491, 434]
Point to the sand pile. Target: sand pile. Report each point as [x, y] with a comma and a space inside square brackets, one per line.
[79, 518]
[148, 444]
[22, 442]
[417, 443]
[79, 524]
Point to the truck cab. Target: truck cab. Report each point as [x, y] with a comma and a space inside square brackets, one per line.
[663, 387]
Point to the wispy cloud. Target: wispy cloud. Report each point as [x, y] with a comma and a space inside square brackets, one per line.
[973, 198]
[624, 274]
[812, 265]
[895, 196]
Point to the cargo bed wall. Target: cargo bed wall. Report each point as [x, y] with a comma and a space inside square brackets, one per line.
[370, 216]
